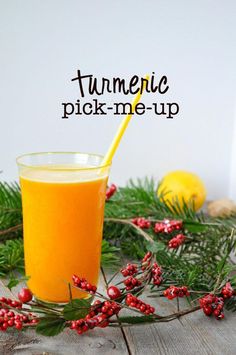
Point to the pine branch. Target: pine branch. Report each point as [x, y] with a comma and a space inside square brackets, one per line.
[194, 263]
[11, 257]
[110, 257]
[10, 211]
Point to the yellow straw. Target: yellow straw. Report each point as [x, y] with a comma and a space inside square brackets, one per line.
[121, 130]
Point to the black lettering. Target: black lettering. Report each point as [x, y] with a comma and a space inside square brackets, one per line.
[123, 105]
[144, 82]
[88, 104]
[162, 111]
[93, 87]
[104, 80]
[164, 81]
[154, 88]
[121, 86]
[133, 81]
[138, 107]
[77, 106]
[67, 112]
[98, 107]
[79, 78]
[170, 109]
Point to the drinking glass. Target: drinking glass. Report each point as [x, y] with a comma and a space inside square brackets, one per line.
[63, 198]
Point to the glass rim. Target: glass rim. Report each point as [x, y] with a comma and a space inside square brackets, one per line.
[47, 167]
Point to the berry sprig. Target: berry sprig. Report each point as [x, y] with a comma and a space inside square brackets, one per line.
[134, 302]
[146, 261]
[129, 270]
[176, 241]
[156, 274]
[212, 304]
[168, 226]
[10, 318]
[110, 191]
[99, 316]
[145, 269]
[141, 222]
[173, 292]
[83, 284]
[7, 302]
[131, 282]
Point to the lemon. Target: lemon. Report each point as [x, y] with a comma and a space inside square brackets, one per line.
[184, 186]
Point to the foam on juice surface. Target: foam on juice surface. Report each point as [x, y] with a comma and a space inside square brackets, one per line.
[63, 173]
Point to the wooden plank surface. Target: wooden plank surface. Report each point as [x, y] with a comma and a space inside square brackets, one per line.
[192, 334]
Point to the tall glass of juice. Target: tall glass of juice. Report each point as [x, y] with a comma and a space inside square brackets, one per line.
[63, 198]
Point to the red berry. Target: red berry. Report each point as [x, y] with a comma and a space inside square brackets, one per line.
[110, 191]
[5, 326]
[207, 310]
[18, 325]
[97, 302]
[25, 295]
[113, 292]
[104, 309]
[227, 291]
[10, 322]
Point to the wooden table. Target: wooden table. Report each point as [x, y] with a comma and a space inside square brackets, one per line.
[191, 334]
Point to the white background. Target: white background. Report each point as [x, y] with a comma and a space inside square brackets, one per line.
[43, 43]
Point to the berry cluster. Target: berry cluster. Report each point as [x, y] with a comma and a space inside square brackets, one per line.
[134, 302]
[212, 304]
[156, 274]
[131, 282]
[173, 292]
[141, 222]
[176, 241]
[129, 270]
[9, 319]
[4, 302]
[227, 291]
[84, 284]
[110, 191]
[97, 317]
[168, 226]
[146, 261]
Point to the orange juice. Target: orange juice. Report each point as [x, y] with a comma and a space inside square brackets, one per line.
[63, 223]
